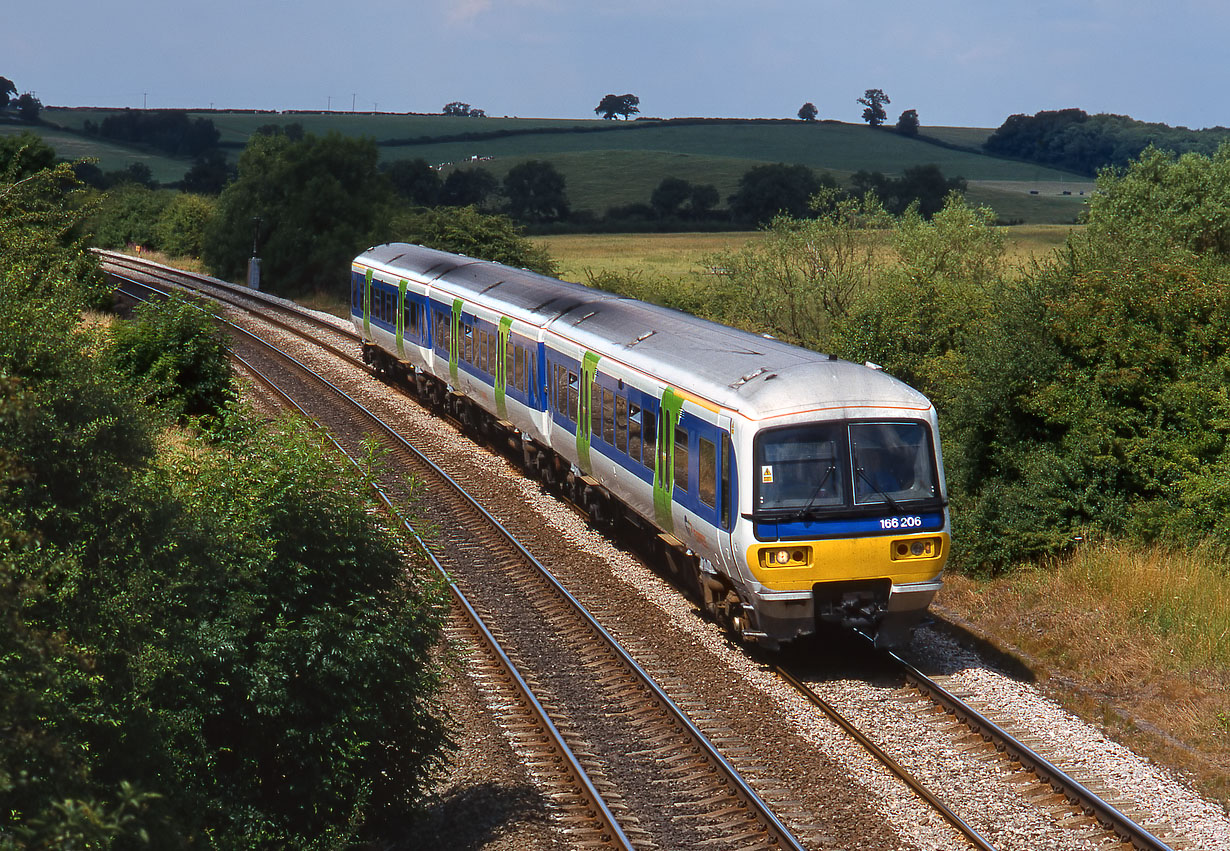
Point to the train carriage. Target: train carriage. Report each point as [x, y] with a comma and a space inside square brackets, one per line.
[795, 487]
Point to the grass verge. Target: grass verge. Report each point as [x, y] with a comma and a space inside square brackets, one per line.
[1134, 639]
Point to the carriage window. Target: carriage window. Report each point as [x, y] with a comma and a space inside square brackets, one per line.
[574, 396]
[467, 343]
[595, 409]
[621, 424]
[493, 353]
[481, 351]
[681, 459]
[608, 417]
[519, 368]
[706, 480]
[649, 432]
[634, 432]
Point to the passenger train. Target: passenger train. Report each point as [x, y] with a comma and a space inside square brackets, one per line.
[788, 488]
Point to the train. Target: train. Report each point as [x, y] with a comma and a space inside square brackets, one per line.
[787, 488]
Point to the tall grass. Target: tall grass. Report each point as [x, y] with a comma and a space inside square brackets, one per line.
[1180, 597]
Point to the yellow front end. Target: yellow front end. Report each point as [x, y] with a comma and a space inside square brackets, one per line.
[799, 565]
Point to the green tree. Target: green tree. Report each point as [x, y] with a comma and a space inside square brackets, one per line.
[907, 124]
[536, 192]
[318, 201]
[670, 196]
[209, 174]
[465, 230]
[768, 190]
[1161, 207]
[468, 187]
[874, 100]
[128, 214]
[181, 227]
[456, 108]
[414, 180]
[24, 154]
[808, 111]
[804, 274]
[612, 105]
[7, 90]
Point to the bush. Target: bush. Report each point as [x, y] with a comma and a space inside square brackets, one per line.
[176, 353]
[180, 229]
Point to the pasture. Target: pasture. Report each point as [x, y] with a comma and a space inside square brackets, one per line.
[615, 163]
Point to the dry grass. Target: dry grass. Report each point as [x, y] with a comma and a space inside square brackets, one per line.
[1143, 635]
[679, 256]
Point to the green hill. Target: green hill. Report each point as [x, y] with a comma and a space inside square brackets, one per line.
[617, 163]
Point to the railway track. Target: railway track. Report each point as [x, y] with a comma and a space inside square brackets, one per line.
[640, 755]
[502, 590]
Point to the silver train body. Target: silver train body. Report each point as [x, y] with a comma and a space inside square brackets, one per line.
[796, 488]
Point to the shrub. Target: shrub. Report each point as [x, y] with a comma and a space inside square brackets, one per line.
[176, 353]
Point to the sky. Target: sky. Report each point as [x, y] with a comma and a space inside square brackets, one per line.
[957, 62]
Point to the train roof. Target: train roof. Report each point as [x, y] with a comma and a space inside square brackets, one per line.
[757, 375]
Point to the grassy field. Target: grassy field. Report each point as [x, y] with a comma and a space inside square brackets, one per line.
[71, 146]
[681, 256]
[619, 163]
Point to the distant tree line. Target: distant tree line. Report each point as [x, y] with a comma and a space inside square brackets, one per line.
[167, 130]
[1074, 140]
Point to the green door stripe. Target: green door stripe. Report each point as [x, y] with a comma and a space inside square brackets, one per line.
[589, 368]
[454, 340]
[501, 367]
[664, 464]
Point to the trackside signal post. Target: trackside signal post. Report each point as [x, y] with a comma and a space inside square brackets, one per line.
[254, 264]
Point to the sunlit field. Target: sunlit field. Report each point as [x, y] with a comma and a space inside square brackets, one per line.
[680, 256]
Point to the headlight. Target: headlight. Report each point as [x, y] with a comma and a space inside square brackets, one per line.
[785, 556]
[917, 548]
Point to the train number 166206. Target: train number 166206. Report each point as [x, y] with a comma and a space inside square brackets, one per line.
[909, 521]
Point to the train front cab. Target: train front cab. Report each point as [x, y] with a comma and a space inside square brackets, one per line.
[849, 526]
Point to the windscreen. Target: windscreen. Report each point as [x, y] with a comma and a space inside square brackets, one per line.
[801, 467]
[823, 467]
[892, 462]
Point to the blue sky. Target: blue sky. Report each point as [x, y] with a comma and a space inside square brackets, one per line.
[958, 62]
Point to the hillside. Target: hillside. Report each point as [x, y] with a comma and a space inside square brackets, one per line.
[615, 163]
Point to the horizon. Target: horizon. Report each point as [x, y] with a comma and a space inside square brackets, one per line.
[958, 63]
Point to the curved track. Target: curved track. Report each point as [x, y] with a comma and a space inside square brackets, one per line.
[642, 751]
[614, 685]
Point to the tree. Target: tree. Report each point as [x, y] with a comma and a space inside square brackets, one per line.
[468, 187]
[28, 107]
[907, 124]
[210, 173]
[767, 190]
[808, 111]
[318, 202]
[874, 100]
[705, 197]
[7, 90]
[465, 230]
[414, 180]
[924, 185]
[535, 192]
[181, 227]
[670, 196]
[612, 105]
[25, 154]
